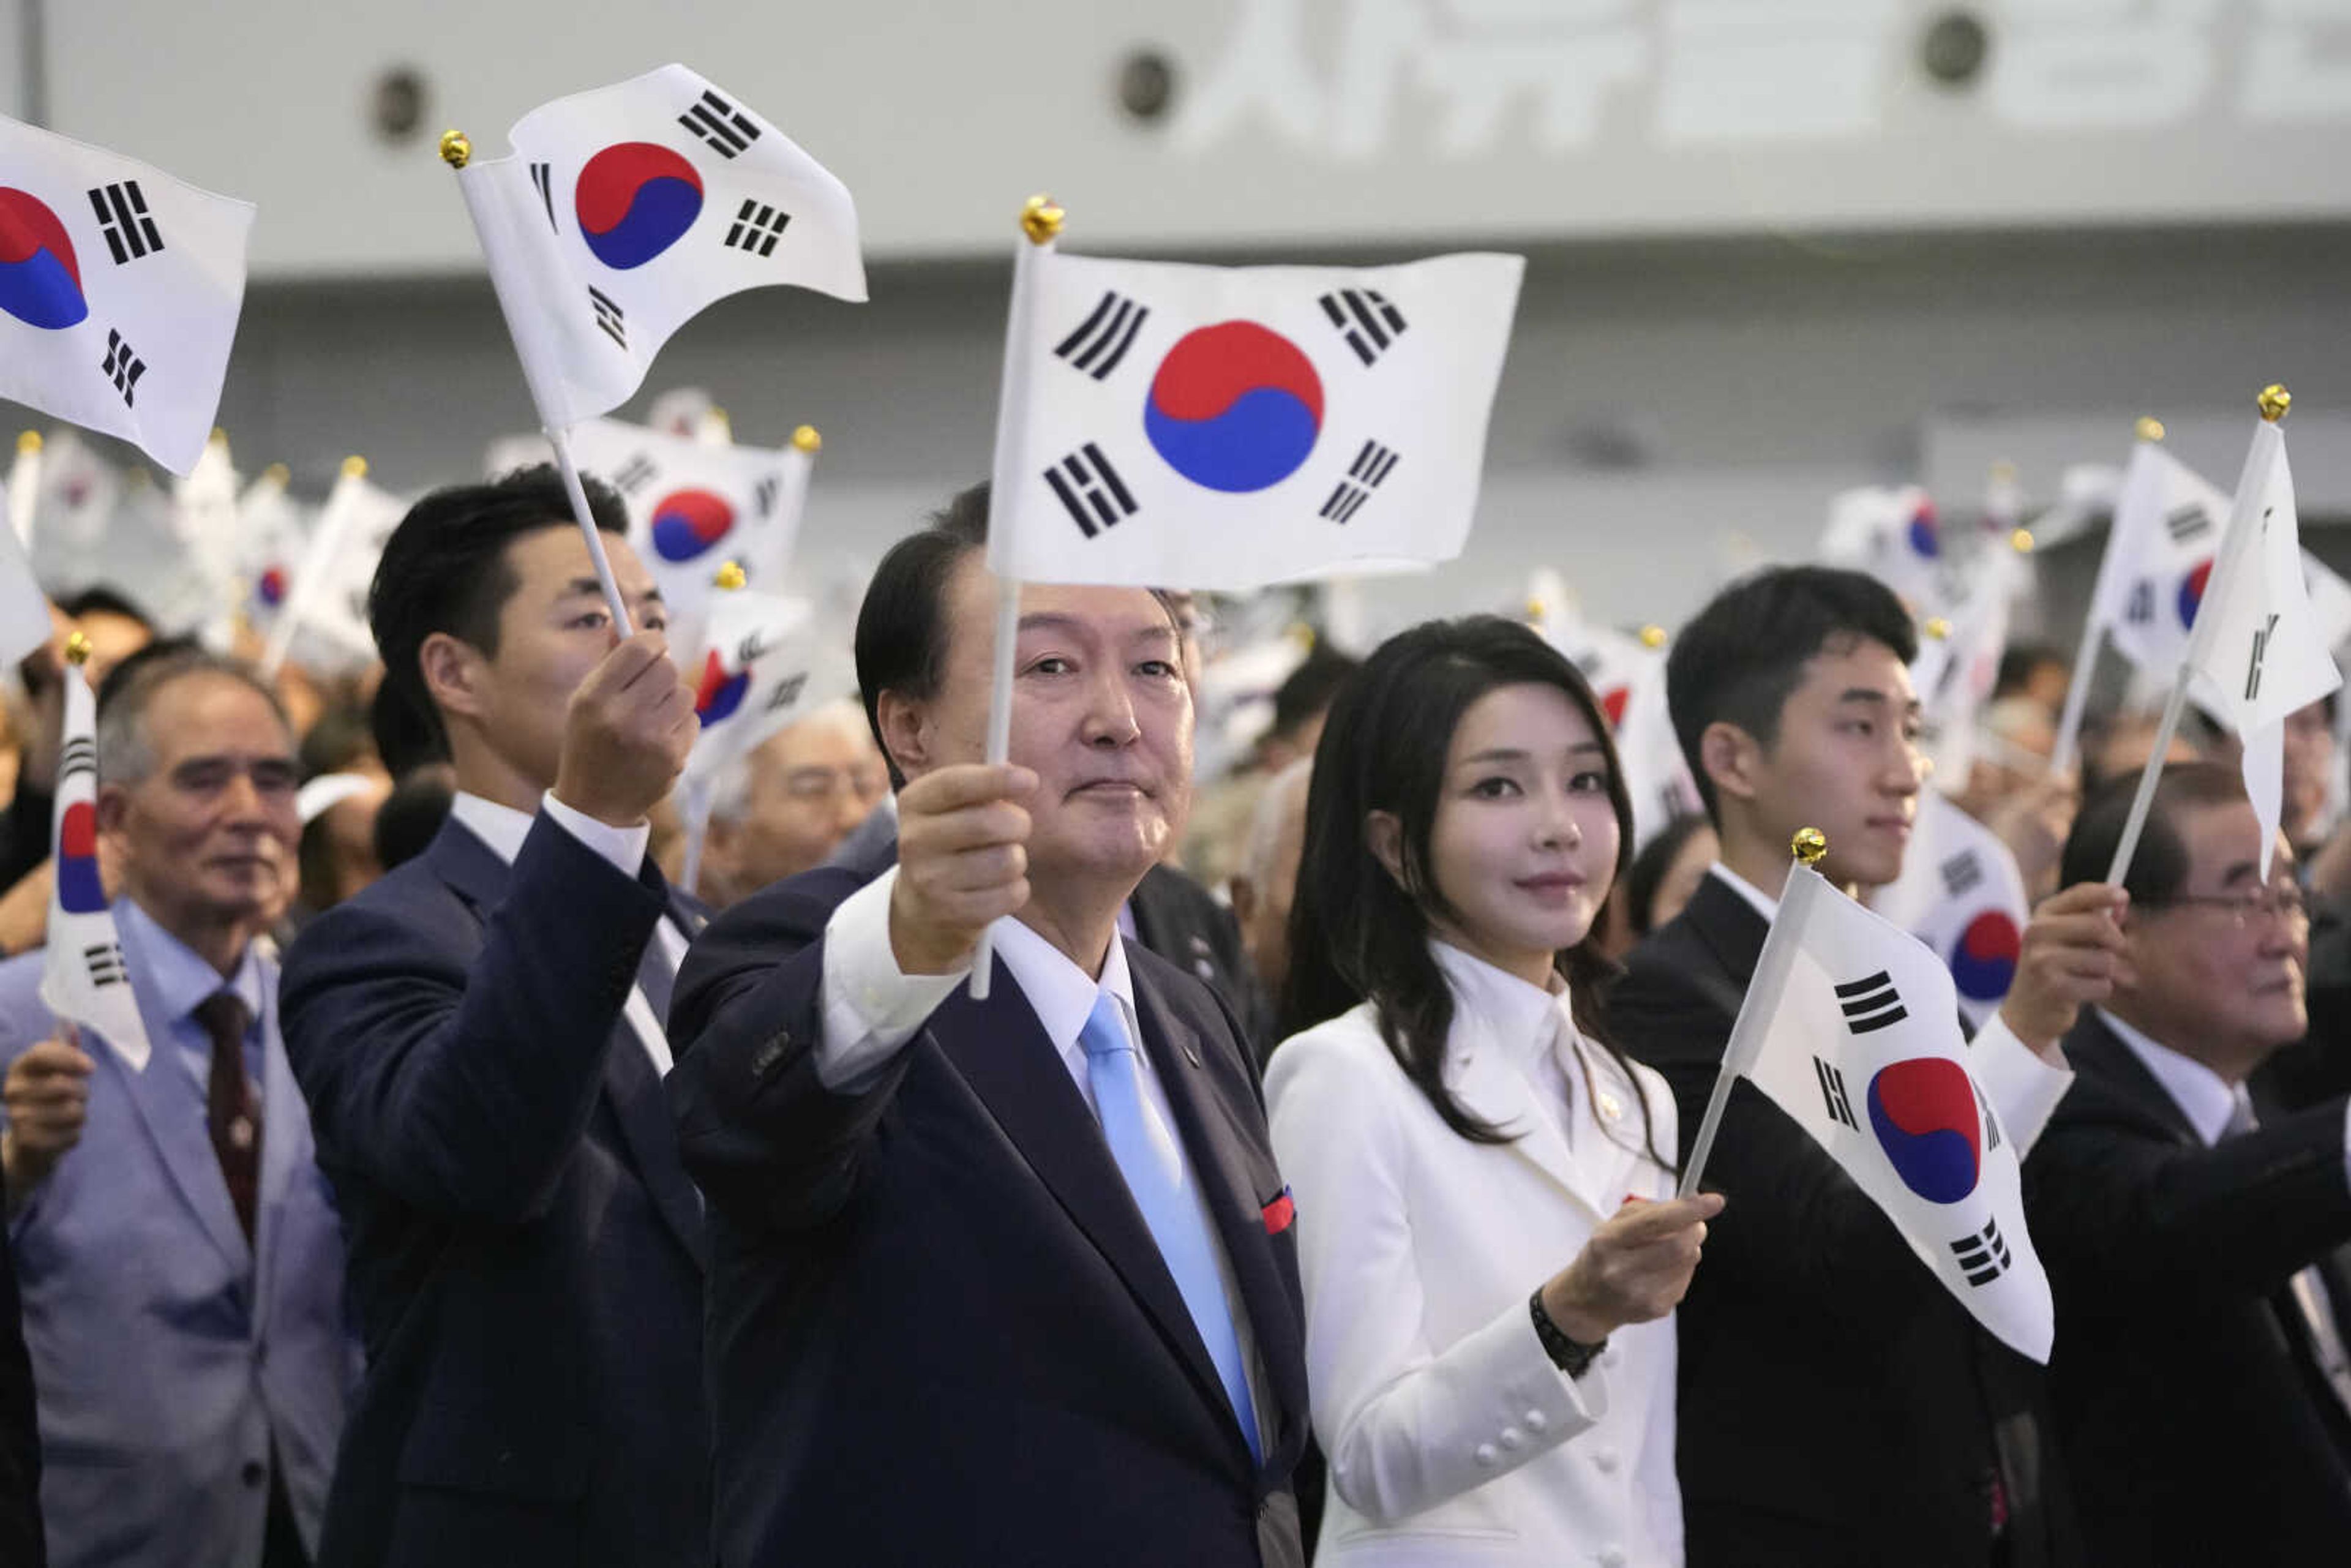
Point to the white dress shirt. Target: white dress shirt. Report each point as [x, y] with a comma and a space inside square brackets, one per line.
[871, 1009]
[2020, 1083]
[2203, 1096]
[504, 829]
[1451, 1436]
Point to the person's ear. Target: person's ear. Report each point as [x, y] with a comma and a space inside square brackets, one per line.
[1732, 762]
[907, 733]
[1384, 836]
[113, 808]
[455, 673]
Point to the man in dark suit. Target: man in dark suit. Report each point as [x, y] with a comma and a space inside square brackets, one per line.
[1006, 1280]
[2194, 1236]
[479, 1036]
[20, 1436]
[1838, 1406]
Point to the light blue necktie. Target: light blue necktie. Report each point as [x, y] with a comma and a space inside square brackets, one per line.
[1154, 1168]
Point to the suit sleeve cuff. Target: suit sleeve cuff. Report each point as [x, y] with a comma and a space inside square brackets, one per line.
[2019, 1082]
[625, 847]
[871, 1007]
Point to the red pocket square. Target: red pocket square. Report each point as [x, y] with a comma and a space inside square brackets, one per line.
[1280, 1213]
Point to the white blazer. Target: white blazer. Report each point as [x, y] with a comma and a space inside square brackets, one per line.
[1451, 1436]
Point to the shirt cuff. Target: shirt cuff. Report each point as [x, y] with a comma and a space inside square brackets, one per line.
[625, 847]
[871, 1007]
[2022, 1085]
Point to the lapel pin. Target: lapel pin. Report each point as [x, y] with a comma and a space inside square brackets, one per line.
[1609, 1110]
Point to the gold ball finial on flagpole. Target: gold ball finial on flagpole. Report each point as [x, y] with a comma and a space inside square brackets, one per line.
[1536, 611]
[730, 577]
[277, 473]
[2273, 402]
[30, 441]
[457, 151]
[2021, 540]
[2150, 428]
[219, 437]
[1809, 845]
[1936, 628]
[77, 650]
[806, 439]
[355, 466]
[1040, 219]
[1653, 636]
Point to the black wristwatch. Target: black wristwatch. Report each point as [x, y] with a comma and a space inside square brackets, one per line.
[1570, 1356]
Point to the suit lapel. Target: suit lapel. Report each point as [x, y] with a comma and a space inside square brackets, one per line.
[1001, 1050]
[1218, 1148]
[1495, 1089]
[280, 1149]
[173, 1110]
[2095, 1047]
[1730, 928]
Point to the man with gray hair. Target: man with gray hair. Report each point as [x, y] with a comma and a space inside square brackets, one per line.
[182, 1276]
[790, 803]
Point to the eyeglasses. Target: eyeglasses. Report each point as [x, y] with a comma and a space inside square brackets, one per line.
[2284, 901]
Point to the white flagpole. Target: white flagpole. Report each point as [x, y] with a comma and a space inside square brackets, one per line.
[1761, 1004]
[698, 802]
[2234, 544]
[2094, 633]
[334, 530]
[458, 153]
[1040, 222]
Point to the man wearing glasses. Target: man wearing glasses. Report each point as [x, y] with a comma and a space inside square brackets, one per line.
[789, 804]
[2194, 1235]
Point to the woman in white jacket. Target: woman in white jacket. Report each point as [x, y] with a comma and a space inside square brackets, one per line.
[1486, 1230]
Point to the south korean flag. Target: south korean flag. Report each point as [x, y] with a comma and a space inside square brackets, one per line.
[1172, 425]
[120, 287]
[625, 210]
[84, 978]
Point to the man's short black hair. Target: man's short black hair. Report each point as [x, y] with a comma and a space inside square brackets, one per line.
[1744, 655]
[1308, 690]
[2158, 867]
[98, 599]
[444, 569]
[901, 627]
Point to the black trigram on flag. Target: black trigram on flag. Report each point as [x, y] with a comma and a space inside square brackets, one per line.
[1990, 1122]
[543, 178]
[758, 226]
[1871, 1004]
[1372, 465]
[122, 367]
[1366, 319]
[1090, 488]
[633, 475]
[727, 129]
[2187, 524]
[788, 692]
[104, 962]
[123, 218]
[2260, 649]
[1103, 338]
[2141, 608]
[764, 494]
[1983, 1255]
[81, 756]
[609, 317]
[1833, 1092]
[1962, 874]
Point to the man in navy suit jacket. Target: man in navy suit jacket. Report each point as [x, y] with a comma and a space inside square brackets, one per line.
[479, 1038]
[1006, 1280]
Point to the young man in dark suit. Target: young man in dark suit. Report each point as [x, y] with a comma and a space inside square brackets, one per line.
[1006, 1280]
[1838, 1407]
[479, 1036]
[2194, 1233]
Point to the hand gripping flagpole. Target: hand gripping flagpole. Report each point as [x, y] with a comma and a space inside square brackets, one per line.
[1040, 221]
[2235, 545]
[457, 151]
[2094, 634]
[1763, 992]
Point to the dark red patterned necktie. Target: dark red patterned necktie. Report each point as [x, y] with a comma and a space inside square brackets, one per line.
[231, 1113]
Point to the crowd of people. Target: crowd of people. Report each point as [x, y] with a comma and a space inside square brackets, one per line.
[1296, 1180]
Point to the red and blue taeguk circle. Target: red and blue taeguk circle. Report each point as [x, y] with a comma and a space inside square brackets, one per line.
[1983, 960]
[272, 587]
[40, 280]
[635, 200]
[720, 693]
[686, 523]
[1924, 1113]
[1234, 407]
[1925, 533]
[79, 890]
[2191, 592]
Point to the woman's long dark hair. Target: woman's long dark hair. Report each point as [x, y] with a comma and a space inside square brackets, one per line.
[1354, 932]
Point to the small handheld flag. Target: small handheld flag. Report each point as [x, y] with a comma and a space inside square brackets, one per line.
[327, 601]
[83, 977]
[1851, 1027]
[119, 289]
